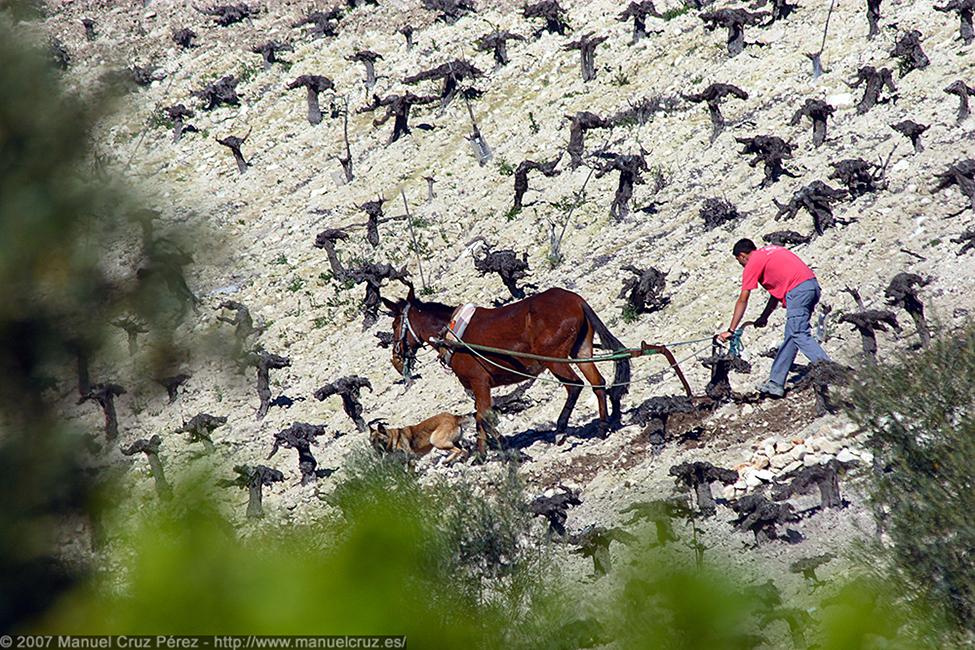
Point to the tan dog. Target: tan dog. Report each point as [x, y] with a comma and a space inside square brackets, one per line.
[440, 431]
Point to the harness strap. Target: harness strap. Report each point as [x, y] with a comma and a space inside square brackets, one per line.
[408, 358]
[459, 320]
[406, 318]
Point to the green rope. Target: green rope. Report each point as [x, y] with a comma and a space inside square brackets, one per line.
[546, 380]
[624, 353]
[735, 346]
[616, 356]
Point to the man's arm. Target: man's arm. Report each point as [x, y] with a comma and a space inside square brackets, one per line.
[762, 320]
[740, 306]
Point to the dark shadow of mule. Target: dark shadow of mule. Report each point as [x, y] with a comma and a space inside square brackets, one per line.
[551, 435]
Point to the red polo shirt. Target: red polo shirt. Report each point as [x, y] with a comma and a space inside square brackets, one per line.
[777, 269]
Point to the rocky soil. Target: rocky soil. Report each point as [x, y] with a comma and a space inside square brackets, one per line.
[260, 227]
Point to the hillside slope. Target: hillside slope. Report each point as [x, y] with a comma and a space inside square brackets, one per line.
[264, 223]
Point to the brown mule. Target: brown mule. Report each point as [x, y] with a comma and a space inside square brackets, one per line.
[555, 323]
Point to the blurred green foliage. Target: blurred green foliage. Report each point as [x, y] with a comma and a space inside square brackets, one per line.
[474, 543]
[46, 278]
[386, 569]
[920, 416]
[448, 566]
[59, 221]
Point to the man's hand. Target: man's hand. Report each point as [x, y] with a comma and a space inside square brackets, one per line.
[770, 307]
[724, 336]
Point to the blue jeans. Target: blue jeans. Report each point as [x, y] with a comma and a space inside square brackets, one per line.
[800, 303]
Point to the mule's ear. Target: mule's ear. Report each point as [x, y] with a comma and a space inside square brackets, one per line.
[411, 294]
[393, 307]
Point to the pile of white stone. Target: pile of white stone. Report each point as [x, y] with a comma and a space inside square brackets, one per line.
[775, 457]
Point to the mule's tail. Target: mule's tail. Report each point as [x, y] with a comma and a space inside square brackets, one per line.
[622, 378]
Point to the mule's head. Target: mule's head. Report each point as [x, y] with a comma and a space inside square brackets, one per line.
[405, 342]
[395, 309]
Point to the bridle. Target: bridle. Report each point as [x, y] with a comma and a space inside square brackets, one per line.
[401, 347]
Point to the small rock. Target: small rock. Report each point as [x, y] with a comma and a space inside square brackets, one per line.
[764, 475]
[760, 462]
[791, 467]
[753, 481]
[845, 456]
[841, 100]
[797, 452]
[838, 434]
[810, 459]
[779, 461]
[783, 446]
[747, 409]
[728, 491]
[830, 447]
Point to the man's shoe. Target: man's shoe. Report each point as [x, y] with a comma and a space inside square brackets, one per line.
[771, 388]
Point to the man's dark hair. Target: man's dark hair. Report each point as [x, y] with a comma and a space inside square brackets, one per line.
[743, 246]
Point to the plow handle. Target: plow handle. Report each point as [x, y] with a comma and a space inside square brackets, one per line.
[647, 348]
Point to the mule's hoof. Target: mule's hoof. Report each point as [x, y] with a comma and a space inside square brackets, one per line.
[560, 438]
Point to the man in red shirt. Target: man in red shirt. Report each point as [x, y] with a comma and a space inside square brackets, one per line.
[793, 284]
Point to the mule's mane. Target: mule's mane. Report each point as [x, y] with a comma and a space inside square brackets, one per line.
[436, 309]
